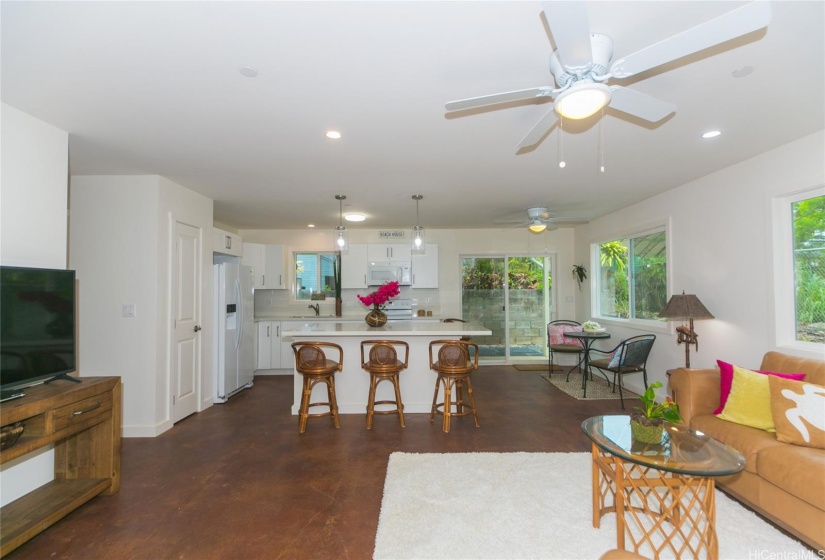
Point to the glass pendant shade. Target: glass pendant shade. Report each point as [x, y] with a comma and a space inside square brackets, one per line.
[419, 246]
[341, 241]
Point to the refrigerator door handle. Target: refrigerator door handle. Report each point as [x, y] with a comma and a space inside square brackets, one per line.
[239, 329]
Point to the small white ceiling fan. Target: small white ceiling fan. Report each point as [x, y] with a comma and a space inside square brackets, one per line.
[581, 65]
[539, 219]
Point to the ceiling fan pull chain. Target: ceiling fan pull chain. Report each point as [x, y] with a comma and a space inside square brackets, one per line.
[561, 143]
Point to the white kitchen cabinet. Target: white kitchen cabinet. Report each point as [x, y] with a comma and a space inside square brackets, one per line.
[269, 345]
[389, 252]
[425, 268]
[354, 267]
[287, 355]
[226, 242]
[267, 262]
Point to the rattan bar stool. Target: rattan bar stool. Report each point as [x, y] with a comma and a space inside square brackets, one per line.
[383, 365]
[312, 363]
[453, 366]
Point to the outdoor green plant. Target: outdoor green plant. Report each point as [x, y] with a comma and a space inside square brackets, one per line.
[652, 410]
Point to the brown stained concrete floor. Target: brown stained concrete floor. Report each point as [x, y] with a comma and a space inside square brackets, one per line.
[238, 481]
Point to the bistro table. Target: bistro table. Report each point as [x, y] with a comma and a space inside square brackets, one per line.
[662, 494]
[587, 337]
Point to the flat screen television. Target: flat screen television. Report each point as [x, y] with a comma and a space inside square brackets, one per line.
[37, 326]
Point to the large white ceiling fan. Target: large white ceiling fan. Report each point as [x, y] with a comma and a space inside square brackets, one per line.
[540, 219]
[581, 65]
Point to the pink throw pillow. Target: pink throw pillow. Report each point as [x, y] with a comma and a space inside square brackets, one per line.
[726, 381]
[555, 335]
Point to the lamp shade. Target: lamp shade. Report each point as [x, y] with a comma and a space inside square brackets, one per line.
[685, 306]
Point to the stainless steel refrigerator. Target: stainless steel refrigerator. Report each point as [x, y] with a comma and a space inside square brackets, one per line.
[234, 321]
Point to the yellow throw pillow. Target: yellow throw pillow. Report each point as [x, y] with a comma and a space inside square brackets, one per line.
[799, 412]
[749, 402]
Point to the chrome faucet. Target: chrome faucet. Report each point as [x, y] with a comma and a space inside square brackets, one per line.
[316, 307]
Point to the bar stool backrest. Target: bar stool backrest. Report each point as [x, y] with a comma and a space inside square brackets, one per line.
[310, 357]
[454, 356]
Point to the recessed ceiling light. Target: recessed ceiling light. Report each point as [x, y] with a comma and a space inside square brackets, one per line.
[742, 72]
[310, 225]
[711, 134]
[248, 71]
[333, 134]
[354, 217]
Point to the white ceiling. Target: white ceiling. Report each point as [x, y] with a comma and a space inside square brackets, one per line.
[155, 88]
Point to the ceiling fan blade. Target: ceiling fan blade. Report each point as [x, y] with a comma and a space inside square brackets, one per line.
[519, 95]
[545, 124]
[736, 23]
[639, 104]
[571, 31]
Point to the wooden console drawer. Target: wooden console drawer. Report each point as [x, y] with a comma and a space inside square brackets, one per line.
[82, 411]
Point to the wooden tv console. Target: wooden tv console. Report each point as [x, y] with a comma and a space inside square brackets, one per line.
[82, 420]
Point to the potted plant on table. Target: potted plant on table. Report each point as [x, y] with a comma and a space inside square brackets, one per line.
[378, 299]
[647, 423]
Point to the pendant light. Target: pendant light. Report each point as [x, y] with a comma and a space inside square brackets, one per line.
[340, 231]
[419, 247]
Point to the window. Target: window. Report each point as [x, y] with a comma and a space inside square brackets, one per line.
[631, 282]
[808, 241]
[314, 274]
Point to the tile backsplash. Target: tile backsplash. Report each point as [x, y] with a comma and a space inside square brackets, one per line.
[279, 302]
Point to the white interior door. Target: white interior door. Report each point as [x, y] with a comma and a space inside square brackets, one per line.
[186, 306]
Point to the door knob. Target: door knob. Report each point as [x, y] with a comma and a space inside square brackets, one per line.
[197, 328]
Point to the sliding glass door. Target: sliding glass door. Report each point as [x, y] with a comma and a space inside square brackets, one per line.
[512, 296]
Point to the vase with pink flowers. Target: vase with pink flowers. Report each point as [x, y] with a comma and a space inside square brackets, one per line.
[378, 299]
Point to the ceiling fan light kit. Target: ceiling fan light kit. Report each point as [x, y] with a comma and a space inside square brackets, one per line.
[582, 100]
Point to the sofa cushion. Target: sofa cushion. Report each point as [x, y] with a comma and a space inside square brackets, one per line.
[813, 369]
[796, 470]
[746, 440]
[726, 379]
[799, 412]
[749, 402]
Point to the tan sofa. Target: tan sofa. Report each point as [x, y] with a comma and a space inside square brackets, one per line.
[785, 483]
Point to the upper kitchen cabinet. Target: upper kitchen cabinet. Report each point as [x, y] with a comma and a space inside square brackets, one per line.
[267, 262]
[389, 252]
[425, 268]
[354, 267]
[226, 242]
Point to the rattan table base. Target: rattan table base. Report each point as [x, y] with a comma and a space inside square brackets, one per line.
[657, 512]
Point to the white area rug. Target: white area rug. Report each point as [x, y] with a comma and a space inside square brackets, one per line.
[525, 505]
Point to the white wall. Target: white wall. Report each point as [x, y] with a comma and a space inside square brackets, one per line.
[33, 192]
[452, 244]
[720, 251]
[114, 250]
[121, 247]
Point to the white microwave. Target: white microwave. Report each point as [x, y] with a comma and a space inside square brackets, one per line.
[381, 273]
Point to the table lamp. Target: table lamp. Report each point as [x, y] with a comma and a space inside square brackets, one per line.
[686, 307]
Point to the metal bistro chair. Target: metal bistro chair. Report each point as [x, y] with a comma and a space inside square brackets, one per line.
[557, 343]
[383, 365]
[312, 363]
[454, 366]
[630, 356]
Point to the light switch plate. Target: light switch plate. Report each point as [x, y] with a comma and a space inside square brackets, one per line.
[128, 309]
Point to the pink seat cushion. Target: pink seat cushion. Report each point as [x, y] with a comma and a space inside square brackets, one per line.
[555, 335]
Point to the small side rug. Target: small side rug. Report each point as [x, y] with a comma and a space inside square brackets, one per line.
[525, 505]
[597, 388]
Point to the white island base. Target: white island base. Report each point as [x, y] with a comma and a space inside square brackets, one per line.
[352, 384]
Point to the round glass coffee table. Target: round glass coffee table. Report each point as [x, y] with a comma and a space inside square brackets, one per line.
[662, 494]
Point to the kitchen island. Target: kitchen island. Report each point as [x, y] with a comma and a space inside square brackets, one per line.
[352, 383]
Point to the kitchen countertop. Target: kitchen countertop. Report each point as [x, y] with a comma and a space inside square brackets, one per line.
[324, 329]
[332, 318]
